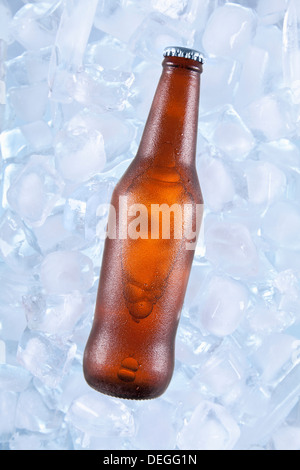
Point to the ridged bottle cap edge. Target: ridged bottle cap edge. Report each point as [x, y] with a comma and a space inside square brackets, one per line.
[185, 52]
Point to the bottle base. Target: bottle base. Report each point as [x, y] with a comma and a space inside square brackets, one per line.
[125, 391]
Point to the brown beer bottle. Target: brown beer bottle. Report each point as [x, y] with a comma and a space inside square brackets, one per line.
[147, 258]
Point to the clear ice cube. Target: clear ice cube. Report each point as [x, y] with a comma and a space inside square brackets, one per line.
[29, 101]
[17, 246]
[229, 246]
[8, 404]
[281, 224]
[159, 415]
[46, 358]
[32, 414]
[101, 416]
[155, 33]
[14, 378]
[55, 314]
[227, 131]
[229, 30]
[218, 83]
[63, 272]
[5, 21]
[222, 306]
[35, 190]
[86, 210]
[80, 152]
[35, 25]
[224, 371]
[214, 174]
[29, 68]
[283, 347]
[265, 182]
[210, 427]
[109, 53]
[252, 81]
[119, 22]
[270, 116]
[74, 28]
[287, 438]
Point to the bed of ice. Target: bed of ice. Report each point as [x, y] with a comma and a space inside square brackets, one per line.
[76, 81]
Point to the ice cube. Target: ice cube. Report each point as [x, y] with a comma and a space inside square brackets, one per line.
[287, 438]
[32, 414]
[214, 174]
[271, 11]
[29, 68]
[13, 378]
[229, 30]
[13, 143]
[265, 182]
[53, 235]
[109, 53]
[191, 344]
[287, 259]
[227, 131]
[158, 415]
[252, 81]
[73, 386]
[35, 190]
[28, 138]
[80, 152]
[45, 358]
[25, 441]
[74, 28]
[171, 8]
[291, 50]
[281, 346]
[38, 135]
[281, 225]
[282, 153]
[17, 246]
[268, 319]
[29, 101]
[55, 314]
[229, 246]
[269, 39]
[73, 32]
[270, 116]
[101, 416]
[104, 89]
[86, 210]
[143, 88]
[222, 306]
[117, 132]
[275, 410]
[63, 272]
[156, 33]
[8, 403]
[218, 82]
[223, 371]
[13, 285]
[5, 21]
[117, 21]
[210, 427]
[35, 25]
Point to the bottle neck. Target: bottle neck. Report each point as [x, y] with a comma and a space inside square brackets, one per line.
[170, 134]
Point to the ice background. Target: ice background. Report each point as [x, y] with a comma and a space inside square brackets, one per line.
[77, 79]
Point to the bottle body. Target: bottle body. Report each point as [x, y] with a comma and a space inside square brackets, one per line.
[146, 264]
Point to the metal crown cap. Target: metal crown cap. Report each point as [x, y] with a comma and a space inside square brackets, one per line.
[184, 52]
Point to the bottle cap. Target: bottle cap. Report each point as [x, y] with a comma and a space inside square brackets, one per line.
[184, 52]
